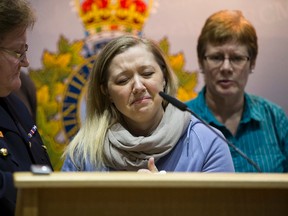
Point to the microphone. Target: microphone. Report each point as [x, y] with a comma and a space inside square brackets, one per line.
[182, 106]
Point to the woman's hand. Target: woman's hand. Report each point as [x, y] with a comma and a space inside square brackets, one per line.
[151, 167]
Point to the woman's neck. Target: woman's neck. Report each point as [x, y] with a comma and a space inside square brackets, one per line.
[143, 128]
[227, 110]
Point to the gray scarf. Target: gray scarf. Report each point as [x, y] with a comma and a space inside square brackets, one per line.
[124, 151]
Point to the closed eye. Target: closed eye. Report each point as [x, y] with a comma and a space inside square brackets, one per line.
[147, 74]
[122, 81]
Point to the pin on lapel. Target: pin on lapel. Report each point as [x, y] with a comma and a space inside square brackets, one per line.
[32, 131]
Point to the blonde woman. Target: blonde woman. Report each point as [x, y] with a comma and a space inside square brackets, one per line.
[129, 127]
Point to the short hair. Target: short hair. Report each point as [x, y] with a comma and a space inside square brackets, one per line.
[97, 101]
[224, 26]
[14, 14]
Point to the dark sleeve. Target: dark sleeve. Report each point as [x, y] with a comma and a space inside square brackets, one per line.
[7, 194]
[1, 183]
[7, 187]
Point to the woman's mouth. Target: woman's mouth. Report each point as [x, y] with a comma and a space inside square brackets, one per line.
[141, 100]
[225, 83]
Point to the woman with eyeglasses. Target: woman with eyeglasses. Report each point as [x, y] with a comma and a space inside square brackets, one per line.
[227, 50]
[20, 143]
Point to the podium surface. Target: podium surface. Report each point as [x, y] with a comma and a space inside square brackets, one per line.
[127, 193]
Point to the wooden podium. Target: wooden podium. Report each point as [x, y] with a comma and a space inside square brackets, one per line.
[126, 193]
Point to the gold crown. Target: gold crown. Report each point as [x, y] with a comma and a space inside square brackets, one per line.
[100, 16]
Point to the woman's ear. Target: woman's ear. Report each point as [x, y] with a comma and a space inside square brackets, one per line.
[252, 66]
[200, 64]
[105, 92]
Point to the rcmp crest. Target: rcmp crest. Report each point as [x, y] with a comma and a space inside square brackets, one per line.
[61, 82]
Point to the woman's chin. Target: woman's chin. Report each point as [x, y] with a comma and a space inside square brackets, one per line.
[228, 92]
[16, 84]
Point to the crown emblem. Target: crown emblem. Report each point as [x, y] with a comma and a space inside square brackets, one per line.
[117, 16]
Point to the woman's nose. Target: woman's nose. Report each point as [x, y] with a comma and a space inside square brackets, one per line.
[24, 62]
[226, 65]
[138, 85]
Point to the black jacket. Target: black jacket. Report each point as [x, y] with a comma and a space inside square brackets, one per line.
[15, 125]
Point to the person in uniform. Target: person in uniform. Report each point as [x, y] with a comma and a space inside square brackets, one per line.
[20, 143]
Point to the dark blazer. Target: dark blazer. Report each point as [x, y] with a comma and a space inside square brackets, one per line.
[22, 151]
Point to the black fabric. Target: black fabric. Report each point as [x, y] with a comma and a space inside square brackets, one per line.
[15, 124]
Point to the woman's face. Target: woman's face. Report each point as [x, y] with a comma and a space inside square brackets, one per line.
[134, 81]
[11, 45]
[229, 77]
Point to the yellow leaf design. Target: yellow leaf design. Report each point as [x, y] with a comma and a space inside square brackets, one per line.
[177, 61]
[60, 61]
[43, 95]
[185, 95]
[59, 88]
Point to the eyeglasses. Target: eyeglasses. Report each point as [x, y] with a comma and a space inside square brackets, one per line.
[217, 60]
[19, 56]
